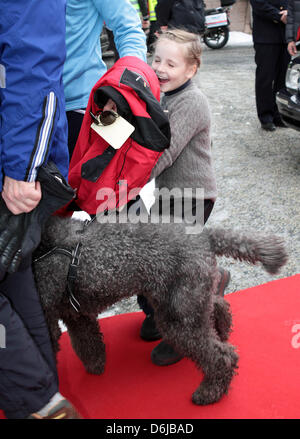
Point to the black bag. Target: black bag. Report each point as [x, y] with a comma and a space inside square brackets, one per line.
[189, 15]
[20, 234]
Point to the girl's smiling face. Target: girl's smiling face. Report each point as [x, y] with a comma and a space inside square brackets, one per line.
[171, 66]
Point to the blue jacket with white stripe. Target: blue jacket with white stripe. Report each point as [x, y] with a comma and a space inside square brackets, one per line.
[32, 106]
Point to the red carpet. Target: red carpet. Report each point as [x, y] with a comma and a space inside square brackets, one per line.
[267, 385]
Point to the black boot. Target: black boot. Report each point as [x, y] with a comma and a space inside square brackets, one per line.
[149, 331]
[164, 355]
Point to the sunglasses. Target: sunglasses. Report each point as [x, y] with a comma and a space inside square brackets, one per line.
[105, 118]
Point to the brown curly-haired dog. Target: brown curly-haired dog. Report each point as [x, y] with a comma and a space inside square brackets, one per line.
[178, 274]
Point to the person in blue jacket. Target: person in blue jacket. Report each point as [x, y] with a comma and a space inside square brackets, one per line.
[33, 131]
[84, 65]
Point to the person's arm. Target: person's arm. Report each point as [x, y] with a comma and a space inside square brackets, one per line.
[266, 10]
[143, 4]
[31, 96]
[289, 30]
[121, 17]
[191, 117]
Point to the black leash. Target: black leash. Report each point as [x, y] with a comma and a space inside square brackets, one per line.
[72, 275]
[63, 251]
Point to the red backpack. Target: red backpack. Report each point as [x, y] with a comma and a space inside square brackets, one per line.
[105, 178]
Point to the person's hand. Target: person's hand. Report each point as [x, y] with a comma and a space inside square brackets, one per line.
[21, 196]
[145, 24]
[283, 17]
[161, 29]
[292, 49]
[110, 105]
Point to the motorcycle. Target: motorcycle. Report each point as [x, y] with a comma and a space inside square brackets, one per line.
[216, 33]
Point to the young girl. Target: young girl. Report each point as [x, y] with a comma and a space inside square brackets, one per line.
[187, 163]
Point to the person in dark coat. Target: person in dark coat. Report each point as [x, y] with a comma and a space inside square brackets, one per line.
[293, 26]
[271, 58]
[183, 14]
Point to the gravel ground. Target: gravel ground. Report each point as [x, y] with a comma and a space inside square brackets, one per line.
[258, 173]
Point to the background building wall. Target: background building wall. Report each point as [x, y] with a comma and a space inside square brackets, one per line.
[240, 14]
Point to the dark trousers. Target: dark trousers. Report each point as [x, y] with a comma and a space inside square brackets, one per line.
[112, 45]
[151, 38]
[271, 64]
[74, 124]
[28, 376]
[208, 207]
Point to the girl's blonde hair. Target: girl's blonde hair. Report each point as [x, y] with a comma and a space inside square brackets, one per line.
[191, 41]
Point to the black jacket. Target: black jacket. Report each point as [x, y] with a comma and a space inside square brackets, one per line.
[267, 26]
[187, 14]
[293, 20]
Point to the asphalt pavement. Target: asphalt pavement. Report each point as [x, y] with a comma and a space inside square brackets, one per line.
[258, 172]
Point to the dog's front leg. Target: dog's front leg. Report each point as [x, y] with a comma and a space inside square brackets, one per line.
[87, 341]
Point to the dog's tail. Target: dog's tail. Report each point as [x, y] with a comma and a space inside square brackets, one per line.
[270, 250]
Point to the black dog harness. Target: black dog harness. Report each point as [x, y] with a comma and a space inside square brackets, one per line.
[74, 256]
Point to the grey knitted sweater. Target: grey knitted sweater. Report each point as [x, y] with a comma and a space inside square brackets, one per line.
[187, 163]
